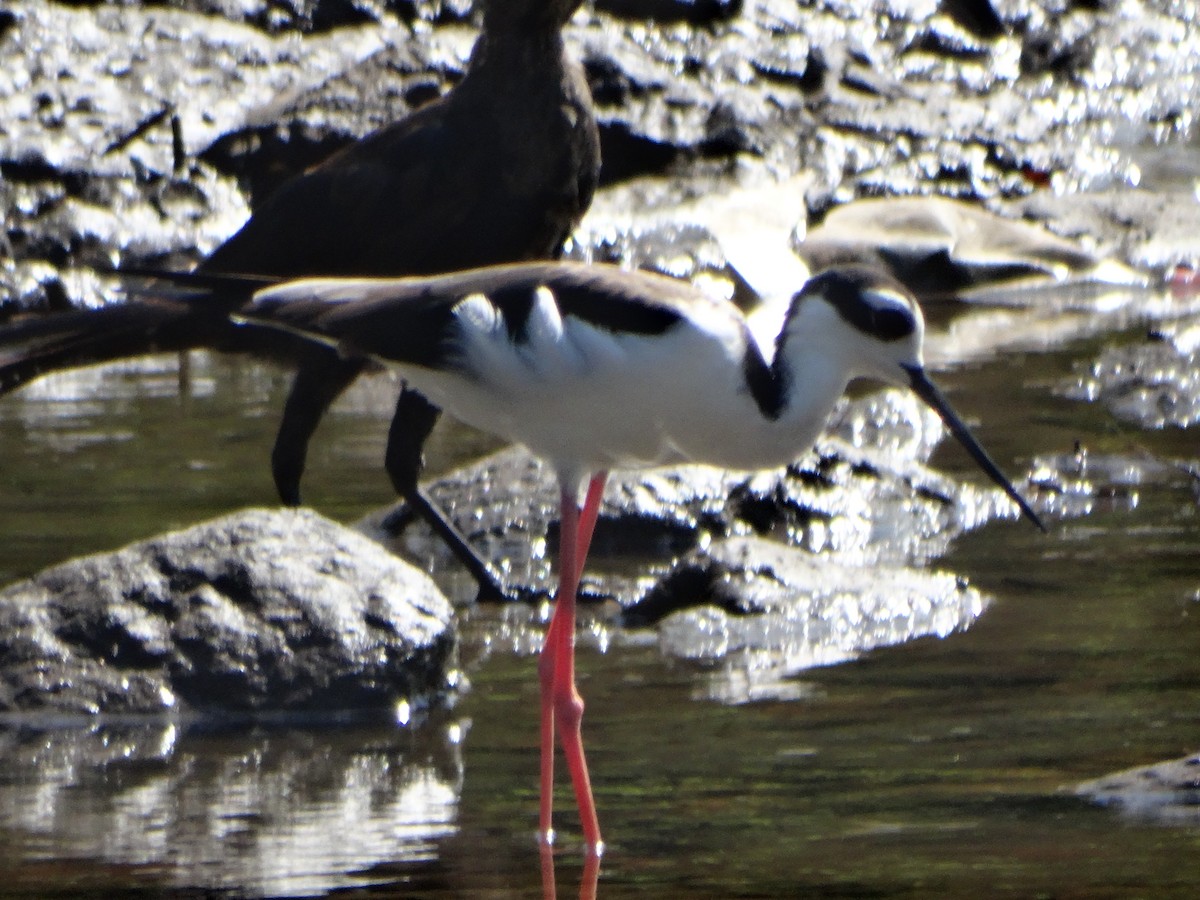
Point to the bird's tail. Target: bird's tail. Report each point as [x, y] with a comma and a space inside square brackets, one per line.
[348, 314]
[165, 312]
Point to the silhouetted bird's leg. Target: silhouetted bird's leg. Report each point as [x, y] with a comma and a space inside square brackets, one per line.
[411, 426]
[321, 378]
[414, 420]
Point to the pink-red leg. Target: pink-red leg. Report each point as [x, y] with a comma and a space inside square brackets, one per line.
[587, 518]
[547, 666]
[561, 703]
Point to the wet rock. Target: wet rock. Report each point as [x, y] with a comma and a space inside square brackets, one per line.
[979, 17]
[1167, 793]
[939, 40]
[106, 117]
[257, 612]
[865, 493]
[939, 246]
[295, 15]
[1155, 384]
[507, 505]
[1154, 227]
[694, 12]
[1079, 483]
[1063, 47]
[755, 612]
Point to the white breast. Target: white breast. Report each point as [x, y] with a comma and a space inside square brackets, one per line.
[583, 396]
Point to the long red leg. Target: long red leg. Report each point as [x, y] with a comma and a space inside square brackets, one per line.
[547, 666]
[587, 519]
[568, 702]
[561, 703]
[549, 662]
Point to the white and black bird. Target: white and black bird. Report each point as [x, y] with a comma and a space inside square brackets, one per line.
[596, 368]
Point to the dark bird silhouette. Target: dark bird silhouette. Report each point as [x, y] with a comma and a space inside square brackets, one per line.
[500, 169]
[596, 368]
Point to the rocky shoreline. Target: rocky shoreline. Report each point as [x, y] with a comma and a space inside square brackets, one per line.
[142, 134]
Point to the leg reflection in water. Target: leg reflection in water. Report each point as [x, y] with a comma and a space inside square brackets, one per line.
[587, 881]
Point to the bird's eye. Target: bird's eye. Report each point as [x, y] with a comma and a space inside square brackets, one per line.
[891, 324]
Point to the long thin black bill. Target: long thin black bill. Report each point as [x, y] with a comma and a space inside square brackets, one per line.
[928, 391]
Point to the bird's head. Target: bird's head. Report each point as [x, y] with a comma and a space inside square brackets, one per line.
[873, 327]
[867, 320]
[527, 15]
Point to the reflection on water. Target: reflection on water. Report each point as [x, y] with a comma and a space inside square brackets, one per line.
[278, 810]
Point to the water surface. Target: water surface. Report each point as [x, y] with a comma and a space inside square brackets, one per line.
[941, 768]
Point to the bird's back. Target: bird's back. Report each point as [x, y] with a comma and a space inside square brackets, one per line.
[587, 365]
[480, 177]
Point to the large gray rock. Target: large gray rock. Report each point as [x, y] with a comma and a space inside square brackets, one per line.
[1153, 226]
[260, 611]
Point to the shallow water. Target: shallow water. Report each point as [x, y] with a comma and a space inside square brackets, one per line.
[941, 768]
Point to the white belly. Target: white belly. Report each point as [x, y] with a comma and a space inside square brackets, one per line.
[602, 402]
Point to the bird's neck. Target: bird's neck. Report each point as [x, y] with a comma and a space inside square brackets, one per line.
[511, 55]
[811, 370]
[811, 385]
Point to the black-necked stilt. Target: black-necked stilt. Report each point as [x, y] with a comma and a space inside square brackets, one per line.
[498, 170]
[595, 368]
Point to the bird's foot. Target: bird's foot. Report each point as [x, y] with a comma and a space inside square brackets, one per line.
[397, 519]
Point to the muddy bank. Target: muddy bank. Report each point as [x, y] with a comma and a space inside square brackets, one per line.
[146, 133]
